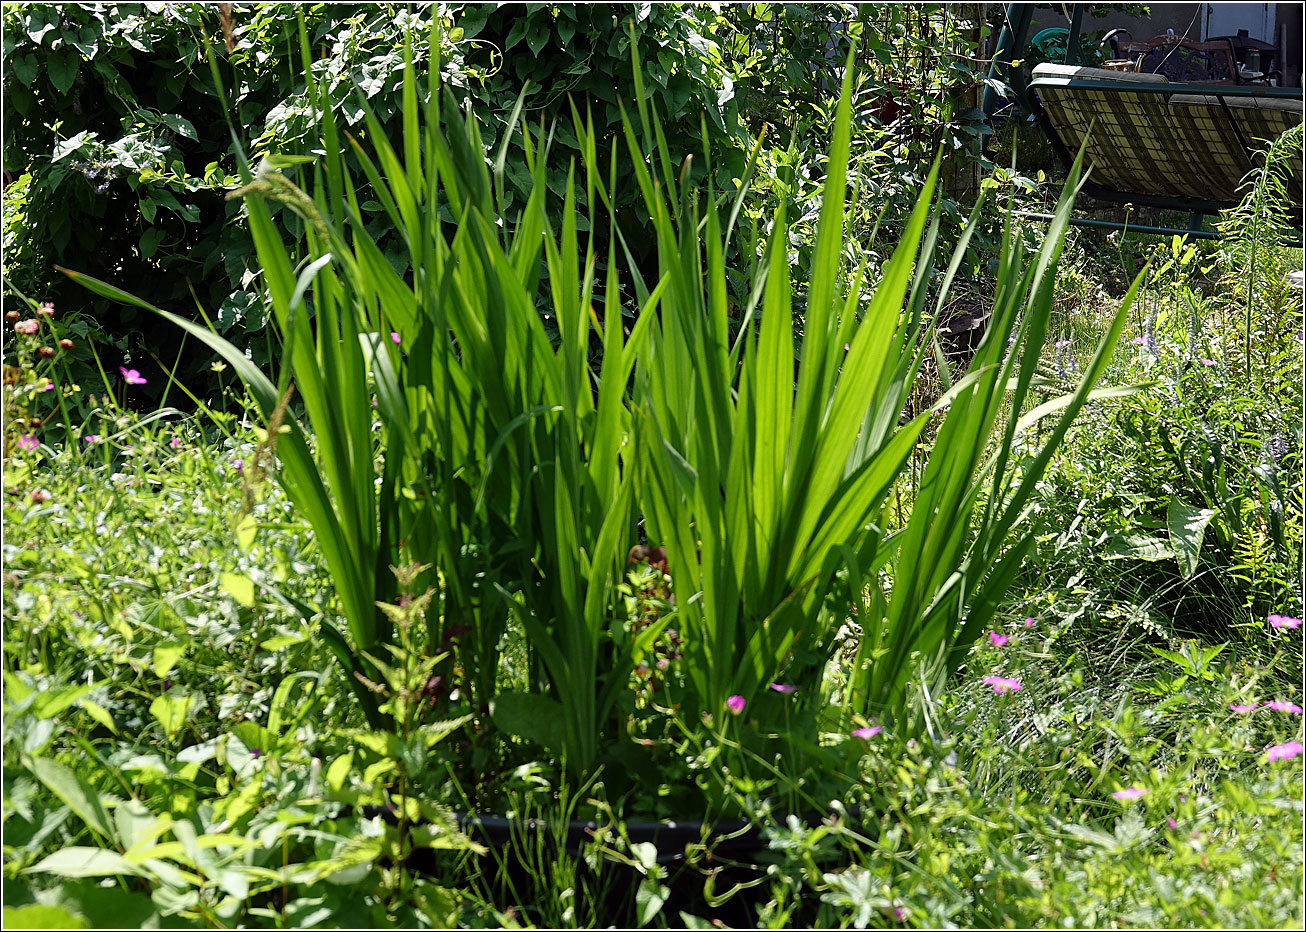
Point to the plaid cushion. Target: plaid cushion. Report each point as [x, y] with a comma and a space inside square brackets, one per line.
[1183, 146]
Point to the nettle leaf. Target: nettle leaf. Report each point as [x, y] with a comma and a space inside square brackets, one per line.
[74, 792]
[537, 718]
[62, 69]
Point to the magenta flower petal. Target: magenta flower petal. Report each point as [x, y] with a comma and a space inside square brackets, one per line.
[1029, 622]
[1283, 621]
[1207, 362]
[997, 639]
[1284, 707]
[1240, 707]
[91, 438]
[394, 336]
[783, 687]
[131, 376]
[28, 327]
[1283, 751]
[870, 732]
[1129, 792]
[28, 442]
[1002, 684]
[735, 704]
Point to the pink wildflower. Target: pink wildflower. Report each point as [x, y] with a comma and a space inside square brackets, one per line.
[1002, 684]
[1029, 622]
[997, 639]
[394, 336]
[1284, 707]
[174, 443]
[1129, 792]
[46, 309]
[92, 438]
[1283, 621]
[783, 687]
[1061, 343]
[29, 326]
[735, 704]
[40, 496]
[131, 376]
[1139, 341]
[1239, 707]
[870, 732]
[1207, 362]
[28, 442]
[1283, 751]
[48, 387]
[1172, 823]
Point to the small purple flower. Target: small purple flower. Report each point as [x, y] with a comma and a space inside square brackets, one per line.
[870, 732]
[663, 663]
[1288, 707]
[1171, 823]
[1242, 708]
[174, 443]
[167, 684]
[1207, 362]
[46, 309]
[1129, 792]
[783, 687]
[997, 640]
[255, 752]
[131, 376]
[92, 438]
[1283, 621]
[40, 496]
[1283, 751]
[1029, 622]
[1061, 343]
[1002, 684]
[239, 465]
[28, 442]
[735, 704]
[28, 327]
[48, 387]
[1139, 341]
[394, 336]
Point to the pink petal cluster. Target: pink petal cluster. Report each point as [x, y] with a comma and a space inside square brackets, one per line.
[1129, 792]
[1283, 751]
[1283, 621]
[997, 639]
[870, 732]
[783, 687]
[1243, 708]
[1284, 707]
[394, 336]
[1207, 362]
[28, 442]
[735, 704]
[92, 438]
[1002, 684]
[29, 326]
[1029, 622]
[46, 309]
[131, 376]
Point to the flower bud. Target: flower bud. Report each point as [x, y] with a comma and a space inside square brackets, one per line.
[47, 352]
[66, 344]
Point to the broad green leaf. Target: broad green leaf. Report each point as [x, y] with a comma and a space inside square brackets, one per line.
[536, 718]
[37, 916]
[79, 861]
[240, 588]
[1187, 525]
[171, 710]
[166, 657]
[74, 792]
[1137, 547]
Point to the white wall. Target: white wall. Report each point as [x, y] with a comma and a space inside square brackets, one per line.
[1225, 19]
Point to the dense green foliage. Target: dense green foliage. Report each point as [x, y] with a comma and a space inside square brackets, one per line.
[594, 483]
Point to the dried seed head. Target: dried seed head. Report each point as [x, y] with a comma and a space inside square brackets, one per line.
[66, 344]
[47, 352]
[12, 315]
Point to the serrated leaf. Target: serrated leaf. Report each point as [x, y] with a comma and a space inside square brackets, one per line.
[1137, 547]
